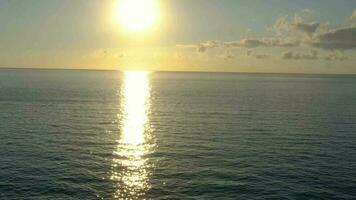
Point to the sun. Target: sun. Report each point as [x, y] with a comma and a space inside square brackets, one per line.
[137, 15]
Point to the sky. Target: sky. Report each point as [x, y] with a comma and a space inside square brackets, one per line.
[272, 36]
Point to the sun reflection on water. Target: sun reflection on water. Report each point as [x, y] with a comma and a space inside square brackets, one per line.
[131, 167]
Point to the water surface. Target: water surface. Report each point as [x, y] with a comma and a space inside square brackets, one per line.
[70, 134]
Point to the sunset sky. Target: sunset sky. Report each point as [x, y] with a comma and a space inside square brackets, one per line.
[299, 36]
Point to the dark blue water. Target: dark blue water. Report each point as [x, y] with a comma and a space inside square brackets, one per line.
[68, 134]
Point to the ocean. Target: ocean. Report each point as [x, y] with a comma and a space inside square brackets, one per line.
[81, 134]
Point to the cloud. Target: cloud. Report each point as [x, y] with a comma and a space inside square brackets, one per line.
[202, 47]
[227, 55]
[257, 56]
[282, 25]
[244, 43]
[335, 56]
[287, 25]
[261, 56]
[264, 42]
[187, 46]
[307, 11]
[291, 32]
[338, 39]
[353, 16]
[249, 52]
[106, 54]
[313, 55]
[307, 28]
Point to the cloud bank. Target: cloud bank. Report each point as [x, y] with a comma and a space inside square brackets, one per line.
[263, 42]
[338, 39]
[292, 33]
[313, 55]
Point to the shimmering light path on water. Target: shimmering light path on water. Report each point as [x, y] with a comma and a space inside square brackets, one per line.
[130, 167]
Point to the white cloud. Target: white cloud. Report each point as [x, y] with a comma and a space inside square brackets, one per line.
[353, 16]
[307, 11]
[286, 26]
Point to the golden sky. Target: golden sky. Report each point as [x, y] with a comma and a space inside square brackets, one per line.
[180, 35]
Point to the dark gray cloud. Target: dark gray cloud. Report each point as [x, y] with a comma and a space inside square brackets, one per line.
[338, 39]
[261, 56]
[313, 55]
[307, 28]
[257, 56]
[244, 43]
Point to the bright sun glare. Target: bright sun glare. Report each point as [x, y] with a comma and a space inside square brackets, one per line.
[137, 15]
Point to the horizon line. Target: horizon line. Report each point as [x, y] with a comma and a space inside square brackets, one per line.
[171, 71]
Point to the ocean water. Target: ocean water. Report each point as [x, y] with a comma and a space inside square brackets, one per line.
[71, 134]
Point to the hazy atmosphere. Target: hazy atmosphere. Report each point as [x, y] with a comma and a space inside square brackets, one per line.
[177, 99]
[183, 35]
